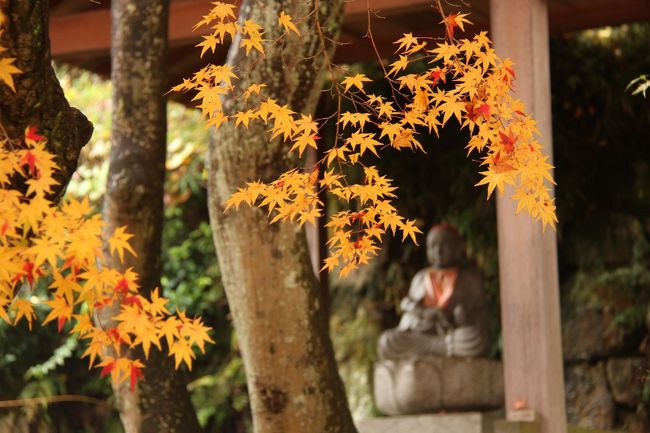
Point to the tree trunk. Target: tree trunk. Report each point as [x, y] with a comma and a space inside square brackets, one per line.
[39, 100]
[134, 195]
[277, 307]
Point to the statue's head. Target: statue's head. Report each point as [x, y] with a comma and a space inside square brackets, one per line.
[445, 246]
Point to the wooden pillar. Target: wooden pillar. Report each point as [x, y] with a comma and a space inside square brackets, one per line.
[530, 307]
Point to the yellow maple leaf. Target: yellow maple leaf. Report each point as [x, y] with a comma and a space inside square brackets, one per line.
[223, 10]
[225, 28]
[454, 107]
[244, 117]
[195, 332]
[7, 71]
[169, 329]
[495, 179]
[406, 42]
[331, 262]
[302, 141]
[546, 212]
[399, 65]
[182, 352]
[356, 81]
[252, 29]
[61, 311]
[76, 210]
[210, 42]
[354, 119]
[45, 250]
[23, 309]
[83, 325]
[146, 336]
[409, 229]
[253, 89]
[445, 52]
[365, 141]
[120, 242]
[96, 346]
[286, 22]
[156, 306]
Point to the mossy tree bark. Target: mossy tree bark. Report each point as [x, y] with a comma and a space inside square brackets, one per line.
[39, 100]
[134, 196]
[277, 306]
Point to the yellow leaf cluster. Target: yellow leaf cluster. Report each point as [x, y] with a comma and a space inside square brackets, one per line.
[52, 255]
[466, 83]
[501, 131]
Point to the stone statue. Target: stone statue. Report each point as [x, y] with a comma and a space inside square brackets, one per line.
[445, 311]
[432, 361]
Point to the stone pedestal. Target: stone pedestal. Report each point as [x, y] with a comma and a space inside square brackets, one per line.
[433, 384]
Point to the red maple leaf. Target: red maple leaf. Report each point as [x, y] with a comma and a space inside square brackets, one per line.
[357, 216]
[136, 374]
[451, 24]
[114, 334]
[471, 112]
[122, 287]
[61, 322]
[483, 110]
[438, 75]
[30, 160]
[508, 141]
[131, 300]
[107, 369]
[32, 135]
[5, 228]
[28, 267]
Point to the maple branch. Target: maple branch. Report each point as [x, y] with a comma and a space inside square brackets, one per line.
[376, 50]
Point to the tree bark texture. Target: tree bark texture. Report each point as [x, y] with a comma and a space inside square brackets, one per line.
[134, 196]
[39, 100]
[277, 307]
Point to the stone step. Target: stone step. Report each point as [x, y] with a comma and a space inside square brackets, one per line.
[467, 422]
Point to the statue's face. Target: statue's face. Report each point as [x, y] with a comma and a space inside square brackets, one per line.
[444, 248]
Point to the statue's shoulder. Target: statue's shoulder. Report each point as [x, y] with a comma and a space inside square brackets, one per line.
[421, 274]
[418, 284]
[470, 279]
[469, 269]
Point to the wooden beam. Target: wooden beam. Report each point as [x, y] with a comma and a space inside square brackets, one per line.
[595, 14]
[385, 7]
[82, 33]
[89, 32]
[530, 306]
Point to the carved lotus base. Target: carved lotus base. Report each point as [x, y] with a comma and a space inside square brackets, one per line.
[432, 384]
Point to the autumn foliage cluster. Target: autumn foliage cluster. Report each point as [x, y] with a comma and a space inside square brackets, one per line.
[465, 81]
[58, 251]
[52, 259]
